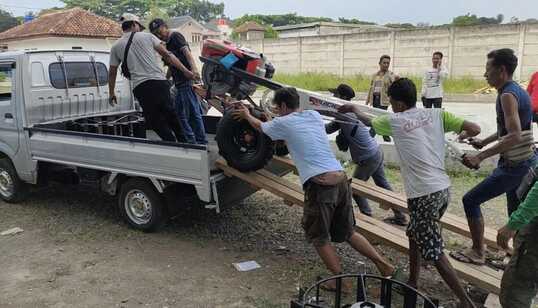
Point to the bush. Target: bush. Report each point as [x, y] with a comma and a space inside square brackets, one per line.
[361, 83]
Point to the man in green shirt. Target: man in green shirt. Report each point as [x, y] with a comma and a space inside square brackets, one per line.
[419, 138]
[519, 284]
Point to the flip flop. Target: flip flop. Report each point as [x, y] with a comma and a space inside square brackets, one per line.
[396, 221]
[468, 256]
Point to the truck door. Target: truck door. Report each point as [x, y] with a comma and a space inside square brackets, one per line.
[9, 134]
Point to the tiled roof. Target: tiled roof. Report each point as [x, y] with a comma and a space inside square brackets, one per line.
[74, 22]
[249, 26]
[177, 22]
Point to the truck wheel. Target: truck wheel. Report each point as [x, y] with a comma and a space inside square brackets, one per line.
[141, 205]
[243, 147]
[12, 189]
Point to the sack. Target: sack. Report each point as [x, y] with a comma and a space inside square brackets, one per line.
[527, 183]
[124, 68]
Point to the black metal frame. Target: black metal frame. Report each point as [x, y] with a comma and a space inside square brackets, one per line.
[410, 294]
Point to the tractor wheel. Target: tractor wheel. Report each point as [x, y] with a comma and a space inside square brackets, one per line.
[243, 147]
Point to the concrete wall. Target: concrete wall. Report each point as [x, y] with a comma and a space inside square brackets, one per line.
[465, 50]
[61, 43]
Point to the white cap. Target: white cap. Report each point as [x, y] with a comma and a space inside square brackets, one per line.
[131, 17]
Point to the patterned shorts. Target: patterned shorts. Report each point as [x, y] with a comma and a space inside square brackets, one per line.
[424, 227]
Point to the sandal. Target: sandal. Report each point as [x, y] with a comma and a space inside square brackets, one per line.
[393, 220]
[469, 256]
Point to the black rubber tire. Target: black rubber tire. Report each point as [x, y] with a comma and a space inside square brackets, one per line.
[227, 139]
[281, 149]
[159, 215]
[20, 189]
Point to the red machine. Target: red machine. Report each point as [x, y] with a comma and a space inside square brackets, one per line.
[226, 66]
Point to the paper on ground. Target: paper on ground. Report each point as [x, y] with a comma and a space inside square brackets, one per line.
[246, 266]
[12, 231]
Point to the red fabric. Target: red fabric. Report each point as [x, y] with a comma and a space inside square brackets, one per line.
[533, 92]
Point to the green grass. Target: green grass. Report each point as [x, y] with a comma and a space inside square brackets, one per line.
[361, 83]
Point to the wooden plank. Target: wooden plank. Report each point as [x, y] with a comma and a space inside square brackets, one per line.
[371, 228]
[481, 276]
[398, 201]
[261, 182]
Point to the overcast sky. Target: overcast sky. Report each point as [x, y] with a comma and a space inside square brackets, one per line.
[383, 11]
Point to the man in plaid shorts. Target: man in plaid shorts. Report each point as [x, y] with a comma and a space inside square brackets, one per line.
[419, 139]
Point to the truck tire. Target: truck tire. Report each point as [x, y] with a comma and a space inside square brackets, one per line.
[141, 205]
[243, 147]
[12, 189]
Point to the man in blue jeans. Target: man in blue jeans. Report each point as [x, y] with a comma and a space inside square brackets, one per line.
[188, 107]
[365, 152]
[515, 144]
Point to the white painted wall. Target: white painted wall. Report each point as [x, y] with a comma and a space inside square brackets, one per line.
[465, 50]
[55, 42]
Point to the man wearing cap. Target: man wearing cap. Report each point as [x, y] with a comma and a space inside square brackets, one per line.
[149, 83]
[187, 105]
[365, 153]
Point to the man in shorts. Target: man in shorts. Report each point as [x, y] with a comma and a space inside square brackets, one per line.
[419, 139]
[328, 211]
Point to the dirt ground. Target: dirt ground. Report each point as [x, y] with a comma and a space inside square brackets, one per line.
[75, 252]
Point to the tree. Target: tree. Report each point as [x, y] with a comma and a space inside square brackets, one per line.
[48, 11]
[472, 20]
[401, 26]
[354, 21]
[279, 20]
[270, 33]
[201, 10]
[7, 21]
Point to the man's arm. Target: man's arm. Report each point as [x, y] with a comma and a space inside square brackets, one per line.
[112, 74]
[242, 112]
[513, 127]
[468, 130]
[188, 54]
[361, 116]
[169, 58]
[524, 214]
[443, 73]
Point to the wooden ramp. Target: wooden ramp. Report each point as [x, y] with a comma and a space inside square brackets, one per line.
[389, 199]
[481, 276]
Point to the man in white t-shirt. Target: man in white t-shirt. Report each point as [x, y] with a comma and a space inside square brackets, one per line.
[432, 83]
[328, 209]
[419, 139]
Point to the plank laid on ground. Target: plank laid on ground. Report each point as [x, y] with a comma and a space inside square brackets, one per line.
[372, 228]
[397, 201]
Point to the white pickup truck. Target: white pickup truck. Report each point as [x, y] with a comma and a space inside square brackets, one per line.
[56, 124]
